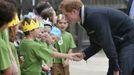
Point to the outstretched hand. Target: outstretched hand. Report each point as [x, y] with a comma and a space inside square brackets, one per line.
[71, 56]
[78, 57]
[75, 56]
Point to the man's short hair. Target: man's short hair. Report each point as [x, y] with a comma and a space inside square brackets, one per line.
[69, 5]
[7, 12]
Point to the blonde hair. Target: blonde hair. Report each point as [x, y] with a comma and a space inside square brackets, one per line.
[69, 5]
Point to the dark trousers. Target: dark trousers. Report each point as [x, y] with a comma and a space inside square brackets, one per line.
[126, 61]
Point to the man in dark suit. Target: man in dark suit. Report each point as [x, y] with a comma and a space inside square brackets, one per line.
[108, 29]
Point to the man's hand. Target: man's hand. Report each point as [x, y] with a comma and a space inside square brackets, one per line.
[79, 57]
[116, 72]
[73, 56]
[76, 56]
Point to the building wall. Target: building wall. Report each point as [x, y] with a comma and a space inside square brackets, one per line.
[119, 4]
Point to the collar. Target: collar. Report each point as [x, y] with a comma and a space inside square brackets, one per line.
[82, 14]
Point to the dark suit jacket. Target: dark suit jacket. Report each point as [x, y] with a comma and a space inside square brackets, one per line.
[108, 29]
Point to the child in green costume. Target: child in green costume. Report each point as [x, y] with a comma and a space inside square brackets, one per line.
[64, 45]
[7, 13]
[53, 35]
[12, 28]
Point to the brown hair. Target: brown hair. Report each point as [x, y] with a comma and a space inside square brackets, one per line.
[7, 12]
[69, 5]
[41, 6]
[47, 13]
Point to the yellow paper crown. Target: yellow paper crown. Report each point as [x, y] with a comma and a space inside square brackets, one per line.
[14, 22]
[28, 27]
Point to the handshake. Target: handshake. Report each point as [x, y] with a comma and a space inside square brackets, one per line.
[76, 56]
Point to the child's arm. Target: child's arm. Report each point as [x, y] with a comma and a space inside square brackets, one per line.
[70, 51]
[54, 49]
[62, 55]
[66, 62]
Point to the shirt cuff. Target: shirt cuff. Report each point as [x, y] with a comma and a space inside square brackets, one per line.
[115, 65]
[84, 54]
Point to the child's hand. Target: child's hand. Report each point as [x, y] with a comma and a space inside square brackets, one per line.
[15, 69]
[21, 60]
[45, 68]
[66, 63]
[54, 49]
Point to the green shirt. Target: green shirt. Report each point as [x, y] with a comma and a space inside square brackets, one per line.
[38, 40]
[64, 44]
[5, 36]
[34, 53]
[14, 50]
[5, 61]
[49, 61]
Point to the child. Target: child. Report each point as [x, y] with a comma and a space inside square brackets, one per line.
[45, 40]
[44, 30]
[50, 40]
[6, 15]
[64, 45]
[54, 34]
[33, 52]
[12, 28]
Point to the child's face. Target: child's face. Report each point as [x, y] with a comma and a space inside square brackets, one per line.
[40, 30]
[62, 24]
[35, 33]
[13, 33]
[54, 39]
[45, 36]
[51, 39]
[47, 29]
